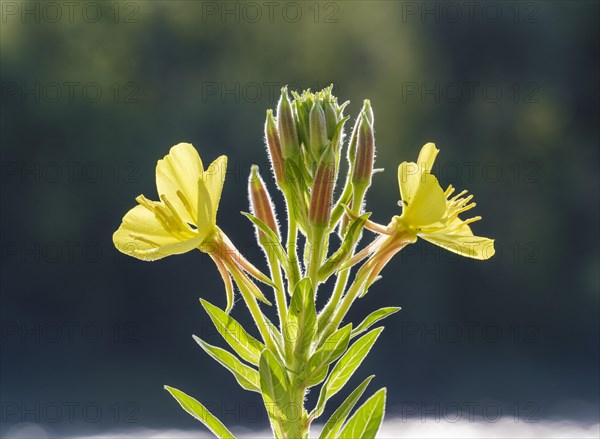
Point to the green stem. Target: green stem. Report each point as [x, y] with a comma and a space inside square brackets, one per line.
[300, 424]
[298, 428]
[343, 307]
[315, 259]
[241, 280]
[279, 290]
[327, 312]
[291, 247]
[338, 209]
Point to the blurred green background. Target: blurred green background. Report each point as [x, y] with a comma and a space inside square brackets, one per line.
[94, 93]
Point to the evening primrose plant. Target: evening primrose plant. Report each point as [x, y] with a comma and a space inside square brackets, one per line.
[306, 347]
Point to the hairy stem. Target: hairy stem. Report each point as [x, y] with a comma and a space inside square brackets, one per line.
[291, 247]
[327, 312]
[242, 281]
[279, 290]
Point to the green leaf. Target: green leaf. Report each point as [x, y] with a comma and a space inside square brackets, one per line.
[246, 346]
[272, 243]
[333, 425]
[276, 336]
[345, 250]
[301, 324]
[247, 377]
[318, 364]
[274, 385]
[200, 412]
[373, 318]
[344, 368]
[366, 421]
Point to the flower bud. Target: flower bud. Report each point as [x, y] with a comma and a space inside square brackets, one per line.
[302, 105]
[368, 110]
[321, 197]
[261, 205]
[318, 130]
[290, 146]
[365, 152]
[332, 118]
[274, 147]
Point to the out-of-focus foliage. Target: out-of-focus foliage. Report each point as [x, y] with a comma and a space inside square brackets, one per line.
[71, 168]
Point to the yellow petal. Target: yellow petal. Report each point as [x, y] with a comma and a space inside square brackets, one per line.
[427, 205]
[142, 236]
[205, 209]
[213, 178]
[410, 174]
[409, 177]
[427, 156]
[475, 247]
[177, 178]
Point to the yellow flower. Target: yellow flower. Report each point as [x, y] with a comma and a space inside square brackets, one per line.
[185, 219]
[185, 216]
[431, 213]
[428, 212]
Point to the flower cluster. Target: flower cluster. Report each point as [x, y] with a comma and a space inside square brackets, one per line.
[305, 140]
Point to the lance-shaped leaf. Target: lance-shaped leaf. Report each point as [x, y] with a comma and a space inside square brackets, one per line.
[246, 346]
[274, 386]
[366, 421]
[345, 250]
[247, 377]
[301, 325]
[333, 425]
[373, 318]
[318, 364]
[344, 368]
[277, 338]
[200, 412]
[269, 241]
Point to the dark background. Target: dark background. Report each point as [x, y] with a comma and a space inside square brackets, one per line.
[509, 93]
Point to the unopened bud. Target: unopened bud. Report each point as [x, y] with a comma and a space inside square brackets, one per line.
[321, 197]
[368, 111]
[332, 118]
[261, 205]
[302, 107]
[318, 130]
[290, 146]
[274, 147]
[365, 152]
[352, 144]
